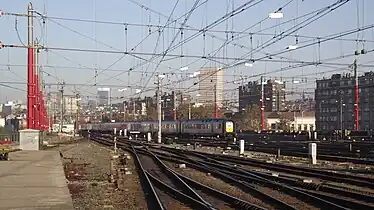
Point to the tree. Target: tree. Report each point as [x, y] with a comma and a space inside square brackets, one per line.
[284, 123]
[183, 111]
[200, 112]
[151, 113]
[249, 118]
[105, 119]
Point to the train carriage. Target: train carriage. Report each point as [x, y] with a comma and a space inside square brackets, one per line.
[217, 128]
[220, 128]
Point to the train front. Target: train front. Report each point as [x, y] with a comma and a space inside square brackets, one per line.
[230, 131]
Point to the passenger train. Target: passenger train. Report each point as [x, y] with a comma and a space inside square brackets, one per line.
[219, 128]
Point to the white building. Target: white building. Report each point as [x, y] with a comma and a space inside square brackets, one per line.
[299, 121]
[103, 95]
[210, 86]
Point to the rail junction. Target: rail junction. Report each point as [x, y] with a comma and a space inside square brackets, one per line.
[161, 170]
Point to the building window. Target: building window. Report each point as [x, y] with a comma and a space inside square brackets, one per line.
[311, 127]
[299, 127]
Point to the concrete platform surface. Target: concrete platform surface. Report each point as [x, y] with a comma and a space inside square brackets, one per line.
[33, 180]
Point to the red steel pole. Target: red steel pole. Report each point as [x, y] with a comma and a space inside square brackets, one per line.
[37, 103]
[36, 90]
[356, 92]
[30, 70]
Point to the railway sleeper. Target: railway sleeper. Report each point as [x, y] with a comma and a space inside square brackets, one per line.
[343, 202]
[310, 186]
[177, 194]
[260, 180]
[302, 172]
[154, 200]
[236, 202]
[186, 188]
[244, 186]
[313, 200]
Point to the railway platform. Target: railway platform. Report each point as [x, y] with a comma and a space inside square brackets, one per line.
[33, 180]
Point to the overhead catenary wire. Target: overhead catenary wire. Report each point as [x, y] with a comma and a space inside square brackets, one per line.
[213, 59]
[282, 52]
[218, 49]
[174, 38]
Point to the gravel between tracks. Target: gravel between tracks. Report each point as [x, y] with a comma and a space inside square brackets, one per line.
[87, 166]
[219, 184]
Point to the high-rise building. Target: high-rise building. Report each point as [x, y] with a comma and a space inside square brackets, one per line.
[103, 96]
[70, 104]
[335, 99]
[210, 86]
[274, 95]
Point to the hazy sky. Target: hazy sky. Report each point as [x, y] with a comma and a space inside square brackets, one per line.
[78, 67]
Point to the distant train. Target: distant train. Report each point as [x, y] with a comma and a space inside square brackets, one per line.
[218, 128]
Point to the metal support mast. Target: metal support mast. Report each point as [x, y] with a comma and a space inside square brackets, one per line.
[37, 100]
[215, 102]
[159, 111]
[174, 107]
[124, 110]
[341, 115]
[30, 69]
[62, 106]
[262, 107]
[355, 107]
[77, 99]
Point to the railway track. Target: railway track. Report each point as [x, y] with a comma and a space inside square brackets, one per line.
[164, 185]
[319, 195]
[296, 170]
[297, 152]
[257, 183]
